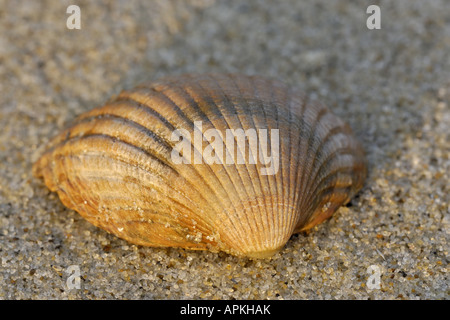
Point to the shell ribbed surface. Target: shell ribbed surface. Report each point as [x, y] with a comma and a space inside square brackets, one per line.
[114, 165]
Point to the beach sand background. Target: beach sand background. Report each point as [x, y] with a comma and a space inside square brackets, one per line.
[392, 86]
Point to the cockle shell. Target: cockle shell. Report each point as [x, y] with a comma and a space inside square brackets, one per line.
[115, 165]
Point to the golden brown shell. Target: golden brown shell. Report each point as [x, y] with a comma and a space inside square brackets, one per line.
[114, 166]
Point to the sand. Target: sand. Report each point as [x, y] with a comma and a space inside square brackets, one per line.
[392, 85]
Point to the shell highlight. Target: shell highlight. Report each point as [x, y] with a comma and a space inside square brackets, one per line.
[115, 165]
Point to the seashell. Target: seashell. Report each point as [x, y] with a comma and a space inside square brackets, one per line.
[116, 167]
